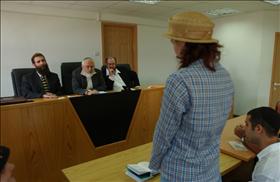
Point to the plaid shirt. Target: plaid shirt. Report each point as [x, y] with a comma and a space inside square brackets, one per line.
[195, 107]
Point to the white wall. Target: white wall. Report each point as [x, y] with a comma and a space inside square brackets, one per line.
[68, 35]
[270, 26]
[58, 38]
[279, 19]
[156, 57]
[248, 41]
[63, 37]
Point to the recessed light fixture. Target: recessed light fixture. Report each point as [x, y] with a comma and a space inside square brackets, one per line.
[145, 1]
[222, 12]
[275, 2]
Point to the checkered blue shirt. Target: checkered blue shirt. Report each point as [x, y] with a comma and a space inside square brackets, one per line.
[195, 107]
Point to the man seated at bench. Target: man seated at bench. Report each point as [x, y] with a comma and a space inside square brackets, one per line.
[87, 80]
[115, 79]
[41, 82]
[260, 134]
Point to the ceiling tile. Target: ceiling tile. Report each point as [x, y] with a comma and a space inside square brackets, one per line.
[117, 11]
[177, 4]
[84, 8]
[161, 11]
[58, 4]
[97, 4]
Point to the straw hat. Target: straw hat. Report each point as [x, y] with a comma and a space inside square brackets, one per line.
[191, 27]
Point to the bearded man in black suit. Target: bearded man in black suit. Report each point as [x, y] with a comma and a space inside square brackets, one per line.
[115, 79]
[41, 83]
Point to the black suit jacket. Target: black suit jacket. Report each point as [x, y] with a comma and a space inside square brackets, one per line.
[32, 85]
[124, 74]
[79, 82]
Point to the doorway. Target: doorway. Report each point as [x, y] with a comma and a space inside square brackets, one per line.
[275, 78]
[120, 40]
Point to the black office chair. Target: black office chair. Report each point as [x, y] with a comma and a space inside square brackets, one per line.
[132, 75]
[134, 79]
[124, 67]
[66, 75]
[17, 75]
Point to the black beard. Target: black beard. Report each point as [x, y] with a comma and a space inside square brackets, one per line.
[43, 70]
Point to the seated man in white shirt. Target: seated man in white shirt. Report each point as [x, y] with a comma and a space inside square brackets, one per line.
[260, 133]
[115, 79]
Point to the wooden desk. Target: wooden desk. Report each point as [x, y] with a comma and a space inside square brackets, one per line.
[228, 135]
[46, 136]
[112, 167]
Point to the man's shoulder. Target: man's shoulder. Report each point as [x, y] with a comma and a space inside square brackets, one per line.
[52, 73]
[269, 162]
[124, 74]
[97, 70]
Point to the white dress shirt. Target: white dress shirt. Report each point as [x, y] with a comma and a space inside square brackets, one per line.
[118, 82]
[39, 74]
[267, 168]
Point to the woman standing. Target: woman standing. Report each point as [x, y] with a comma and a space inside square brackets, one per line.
[196, 104]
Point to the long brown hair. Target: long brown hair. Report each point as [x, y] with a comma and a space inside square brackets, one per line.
[209, 52]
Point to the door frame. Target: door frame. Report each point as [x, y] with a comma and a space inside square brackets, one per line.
[134, 65]
[276, 51]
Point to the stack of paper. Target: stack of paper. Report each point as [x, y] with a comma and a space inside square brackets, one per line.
[237, 145]
[140, 172]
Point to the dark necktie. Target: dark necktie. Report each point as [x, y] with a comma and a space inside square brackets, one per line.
[45, 84]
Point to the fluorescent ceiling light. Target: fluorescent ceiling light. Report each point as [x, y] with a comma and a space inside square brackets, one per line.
[222, 12]
[275, 2]
[145, 1]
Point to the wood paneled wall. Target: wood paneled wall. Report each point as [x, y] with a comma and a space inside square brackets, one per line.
[46, 136]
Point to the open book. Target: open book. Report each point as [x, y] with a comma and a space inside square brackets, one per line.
[236, 145]
[140, 172]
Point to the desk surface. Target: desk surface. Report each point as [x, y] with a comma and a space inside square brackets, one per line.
[228, 135]
[112, 167]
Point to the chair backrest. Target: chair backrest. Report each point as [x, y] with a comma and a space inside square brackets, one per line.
[17, 75]
[124, 66]
[134, 79]
[66, 75]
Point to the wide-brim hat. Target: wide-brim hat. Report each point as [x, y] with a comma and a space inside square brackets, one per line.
[191, 27]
